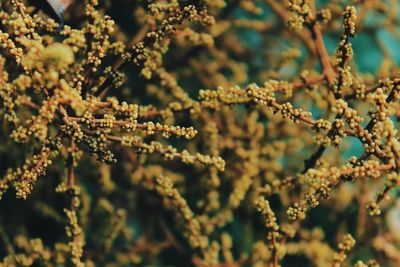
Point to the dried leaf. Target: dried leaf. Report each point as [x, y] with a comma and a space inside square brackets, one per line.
[59, 6]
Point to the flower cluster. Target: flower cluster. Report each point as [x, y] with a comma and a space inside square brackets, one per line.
[154, 132]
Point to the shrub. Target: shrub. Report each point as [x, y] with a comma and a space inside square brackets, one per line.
[199, 133]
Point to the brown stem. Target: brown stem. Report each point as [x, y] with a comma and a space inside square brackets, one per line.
[320, 47]
[322, 53]
[284, 15]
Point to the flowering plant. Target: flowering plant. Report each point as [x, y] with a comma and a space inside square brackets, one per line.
[198, 133]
